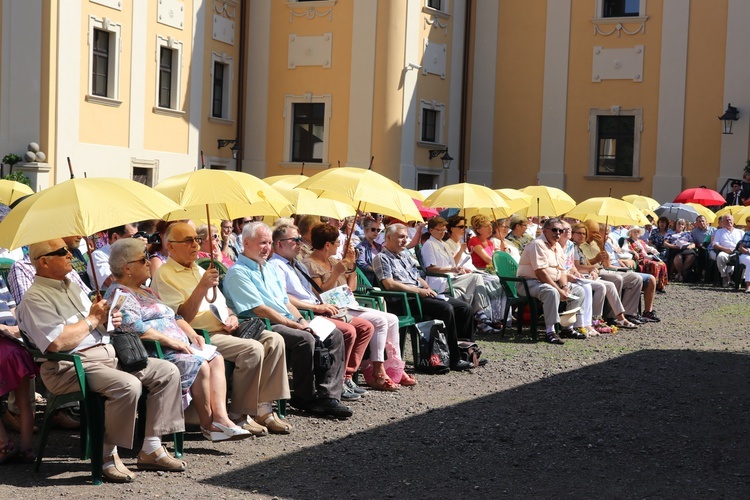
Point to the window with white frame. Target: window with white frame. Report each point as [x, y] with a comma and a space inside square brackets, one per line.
[169, 73]
[620, 8]
[306, 124]
[439, 5]
[615, 141]
[144, 171]
[104, 61]
[222, 74]
[431, 122]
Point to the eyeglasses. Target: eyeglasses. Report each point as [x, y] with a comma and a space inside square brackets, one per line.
[189, 241]
[60, 252]
[215, 236]
[557, 230]
[460, 227]
[142, 260]
[439, 229]
[375, 229]
[296, 239]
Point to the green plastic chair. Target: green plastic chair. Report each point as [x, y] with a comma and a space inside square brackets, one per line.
[407, 319]
[507, 270]
[418, 253]
[5, 265]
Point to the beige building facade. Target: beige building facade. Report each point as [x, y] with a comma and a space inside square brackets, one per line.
[586, 95]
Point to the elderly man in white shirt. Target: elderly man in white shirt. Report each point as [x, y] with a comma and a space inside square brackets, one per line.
[723, 244]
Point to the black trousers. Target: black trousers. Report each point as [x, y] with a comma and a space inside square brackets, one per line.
[300, 348]
[457, 317]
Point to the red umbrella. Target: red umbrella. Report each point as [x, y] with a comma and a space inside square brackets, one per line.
[425, 211]
[702, 196]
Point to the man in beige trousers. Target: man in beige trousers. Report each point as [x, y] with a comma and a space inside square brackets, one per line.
[57, 316]
[260, 374]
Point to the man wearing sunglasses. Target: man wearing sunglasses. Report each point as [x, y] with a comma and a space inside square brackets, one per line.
[57, 316]
[543, 265]
[99, 264]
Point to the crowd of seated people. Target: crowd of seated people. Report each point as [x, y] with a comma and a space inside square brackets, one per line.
[567, 264]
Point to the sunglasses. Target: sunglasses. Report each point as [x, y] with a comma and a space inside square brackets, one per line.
[60, 252]
[460, 227]
[296, 239]
[142, 260]
[375, 229]
[557, 230]
[189, 241]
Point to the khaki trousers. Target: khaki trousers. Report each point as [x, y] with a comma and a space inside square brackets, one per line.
[122, 391]
[628, 286]
[259, 369]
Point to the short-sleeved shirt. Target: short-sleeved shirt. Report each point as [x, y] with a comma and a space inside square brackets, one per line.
[488, 247]
[49, 305]
[538, 255]
[248, 285]
[725, 238]
[175, 283]
[100, 265]
[295, 284]
[436, 253]
[699, 235]
[398, 267]
[21, 276]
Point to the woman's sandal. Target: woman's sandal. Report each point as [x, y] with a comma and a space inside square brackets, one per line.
[160, 460]
[7, 451]
[274, 423]
[383, 383]
[234, 433]
[407, 380]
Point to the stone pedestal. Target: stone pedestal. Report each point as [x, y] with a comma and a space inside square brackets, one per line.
[37, 172]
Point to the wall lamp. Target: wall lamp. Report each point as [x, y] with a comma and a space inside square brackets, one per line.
[730, 116]
[446, 158]
[235, 149]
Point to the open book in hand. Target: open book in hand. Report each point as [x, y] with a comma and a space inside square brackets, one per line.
[341, 297]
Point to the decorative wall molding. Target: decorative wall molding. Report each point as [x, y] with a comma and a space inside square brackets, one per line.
[619, 26]
[223, 29]
[226, 7]
[617, 64]
[171, 13]
[434, 21]
[112, 4]
[310, 50]
[310, 9]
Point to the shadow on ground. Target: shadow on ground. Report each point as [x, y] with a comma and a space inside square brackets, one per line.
[651, 424]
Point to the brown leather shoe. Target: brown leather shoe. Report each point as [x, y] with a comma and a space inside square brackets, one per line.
[13, 421]
[118, 473]
[64, 419]
[165, 462]
[274, 423]
[253, 427]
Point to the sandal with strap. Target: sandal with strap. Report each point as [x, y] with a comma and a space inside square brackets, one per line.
[7, 451]
[160, 460]
[407, 380]
[274, 423]
[383, 383]
[117, 473]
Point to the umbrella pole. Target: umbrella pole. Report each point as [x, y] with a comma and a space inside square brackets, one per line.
[210, 300]
[89, 244]
[349, 233]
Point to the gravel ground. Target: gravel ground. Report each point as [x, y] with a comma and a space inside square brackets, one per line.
[659, 412]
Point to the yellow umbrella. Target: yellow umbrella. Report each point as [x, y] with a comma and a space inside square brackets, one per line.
[81, 207]
[515, 199]
[706, 212]
[607, 210]
[740, 217]
[729, 209]
[548, 201]
[365, 190]
[641, 201]
[225, 194]
[305, 202]
[415, 195]
[647, 212]
[11, 191]
[466, 196]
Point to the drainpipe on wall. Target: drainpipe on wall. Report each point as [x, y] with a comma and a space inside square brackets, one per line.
[241, 85]
[464, 94]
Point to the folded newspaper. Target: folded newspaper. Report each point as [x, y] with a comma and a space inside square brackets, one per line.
[341, 297]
